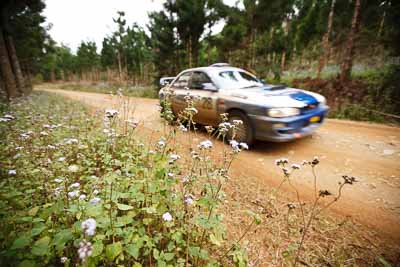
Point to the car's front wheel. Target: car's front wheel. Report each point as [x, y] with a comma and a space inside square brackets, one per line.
[243, 131]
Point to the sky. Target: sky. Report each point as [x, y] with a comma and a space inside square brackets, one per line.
[74, 21]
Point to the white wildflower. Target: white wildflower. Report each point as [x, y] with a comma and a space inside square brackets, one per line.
[58, 180]
[12, 172]
[85, 249]
[244, 145]
[235, 146]
[170, 175]
[82, 197]
[71, 141]
[295, 166]
[95, 192]
[237, 122]
[73, 168]
[9, 116]
[315, 161]
[281, 161]
[173, 158]
[24, 136]
[167, 217]
[73, 194]
[95, 200]
[189, 201]
[111, 113]
[192, 110]
[207, 144]
[132, 123]
[57, 191]
[209, 129]
[75, 185]
[161, 143]
[61, 159]
[63, 259]
[183, 128]
[89, 226]
[195, 155]
[224, 127]
[185, 179]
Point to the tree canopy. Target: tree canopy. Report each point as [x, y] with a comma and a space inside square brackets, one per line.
[262, 36]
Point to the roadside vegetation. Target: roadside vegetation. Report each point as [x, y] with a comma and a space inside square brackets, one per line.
[89, 188]
[348, 50]
[104, 88]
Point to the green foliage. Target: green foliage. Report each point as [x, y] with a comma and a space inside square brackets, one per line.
[87, 57]
[127, 47]
[73, 168]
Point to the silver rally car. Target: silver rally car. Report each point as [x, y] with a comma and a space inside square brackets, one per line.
[269, 113]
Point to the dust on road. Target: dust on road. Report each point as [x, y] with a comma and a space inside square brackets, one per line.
[370, 152]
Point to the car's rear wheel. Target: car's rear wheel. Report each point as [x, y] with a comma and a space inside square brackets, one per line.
[244, 131]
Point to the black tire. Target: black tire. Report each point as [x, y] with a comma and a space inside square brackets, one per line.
[245, 131]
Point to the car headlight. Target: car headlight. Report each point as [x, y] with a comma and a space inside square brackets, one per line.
[283, 112]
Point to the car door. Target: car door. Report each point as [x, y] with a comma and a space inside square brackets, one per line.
[206, 95]
[180, 89]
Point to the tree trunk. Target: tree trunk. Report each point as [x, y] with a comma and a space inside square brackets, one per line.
[6, 70]
[208, 54]
[283, 59]
[348, 61]
[190, 52]
[381, 24]
[15, 64]
[28, 81]
[119, 66]
[325, 41]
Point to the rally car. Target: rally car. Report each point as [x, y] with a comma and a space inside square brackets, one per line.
[270, 113]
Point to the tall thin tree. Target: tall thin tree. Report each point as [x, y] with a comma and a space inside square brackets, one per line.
[6, 69]
[348, 60]
[325, 41]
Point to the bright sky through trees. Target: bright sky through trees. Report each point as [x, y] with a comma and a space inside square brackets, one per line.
[90, 20]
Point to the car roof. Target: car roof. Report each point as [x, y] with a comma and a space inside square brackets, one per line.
[214, 69]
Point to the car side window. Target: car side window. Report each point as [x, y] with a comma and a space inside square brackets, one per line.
[228, 75]
[199, 79]
[248, 77]
[183, 80]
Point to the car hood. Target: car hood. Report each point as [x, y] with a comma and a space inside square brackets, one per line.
[271, 96]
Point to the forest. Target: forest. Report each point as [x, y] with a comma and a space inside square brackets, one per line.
[101, 177]
[266, 37]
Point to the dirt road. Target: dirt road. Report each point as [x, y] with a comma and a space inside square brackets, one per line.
[369, 152]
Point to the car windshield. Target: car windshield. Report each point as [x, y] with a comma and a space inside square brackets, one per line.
[236, 79]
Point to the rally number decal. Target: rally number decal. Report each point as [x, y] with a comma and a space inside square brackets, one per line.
[207, 102]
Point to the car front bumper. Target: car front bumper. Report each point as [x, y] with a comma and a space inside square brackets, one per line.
[290, 128]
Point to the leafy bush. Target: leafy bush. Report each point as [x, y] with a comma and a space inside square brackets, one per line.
[77, 188]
